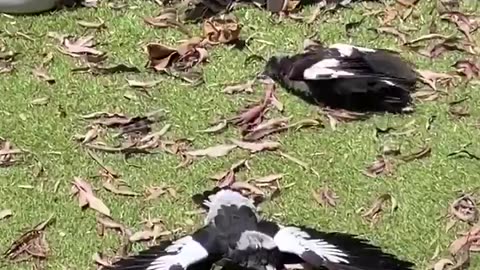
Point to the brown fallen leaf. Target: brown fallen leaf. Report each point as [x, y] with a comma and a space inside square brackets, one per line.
[266, 128]
[8, 153]
[40, 101]
[428, 37]
[105, 222]
[155, 192]
[31, 244]
[214, 151]
[426, 95]
[423, 152]
[6, 67]
[381, 166]
[153, 229]
[452, 44]
[336, 116]
[468, 68]
[244, 186]
[464, 208]
[458, 111]
[183, 58]
[254, 147]
[6, 213]
[41, 73]
[118, 186]
[80, 46]
[239, 88]
[467, 24]
[221, 29]
[325, 197]
[461, 247]
[443, 264]
[220, 126]
[392, 31]
[94, 25]
[431, 78]
[269, 178]
[86, 197]
[373, 213]
[168, 18]
[141, 84]
[250, 117]
[226, 178]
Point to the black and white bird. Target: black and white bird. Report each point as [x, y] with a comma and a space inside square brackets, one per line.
[236, 237]
[346, 76]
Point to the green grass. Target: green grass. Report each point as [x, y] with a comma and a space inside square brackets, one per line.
[423, 188]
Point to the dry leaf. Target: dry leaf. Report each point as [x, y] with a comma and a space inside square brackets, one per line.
[96, 25]
[325, 197]
[41, 73]
[226, 178]
[214, 151]
[464, 208]
[31, 244]
[86, 197]
[40, 101]
[180, 59]
[442, 264]
[268, 179]
[8, 153]
[239, 88]
[423, 152]
[382, 165]
[167, 18]
[221, 29]
[465, 23]
[256, 146]
[373, 213]
[6, 213]
[244, 186]
[155, 192]
[140, 84]
[118, 187]
[431, 78]
[79, 46]
[221, 125]
[467, 68]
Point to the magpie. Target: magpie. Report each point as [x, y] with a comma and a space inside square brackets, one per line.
[346, 77]
[236, 237]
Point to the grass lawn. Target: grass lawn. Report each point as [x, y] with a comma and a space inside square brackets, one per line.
[423, 188]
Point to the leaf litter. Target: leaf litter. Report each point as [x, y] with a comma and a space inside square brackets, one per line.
[86, 197]
[8, 153]
[30, 245]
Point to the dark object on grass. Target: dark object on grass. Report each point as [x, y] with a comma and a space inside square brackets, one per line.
[347, 77]
[236, 237]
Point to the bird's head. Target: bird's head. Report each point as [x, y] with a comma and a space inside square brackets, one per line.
[273, 69]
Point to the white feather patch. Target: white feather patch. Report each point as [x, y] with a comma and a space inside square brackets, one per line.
[294, 240]
[255, 240]
[346, 50]
[188, 252]
[324, 68]
[315, 72]
[226, 197]
[389, 82]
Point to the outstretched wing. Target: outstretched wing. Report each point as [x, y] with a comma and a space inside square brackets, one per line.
[344, 251]
[196, 252]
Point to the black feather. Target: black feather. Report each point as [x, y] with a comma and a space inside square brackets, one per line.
[382, 80]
